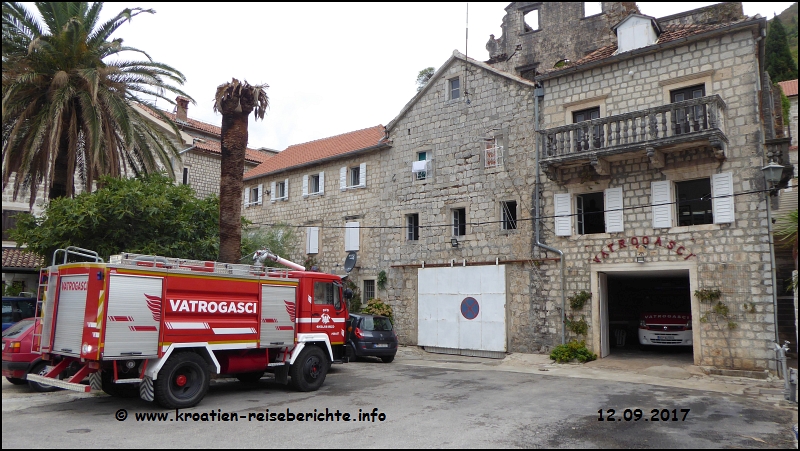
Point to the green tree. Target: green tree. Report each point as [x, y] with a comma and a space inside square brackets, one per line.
[779, 62]
[281, 239]
[424, 77]
[68, 99]
[235, 100]
[146, 215]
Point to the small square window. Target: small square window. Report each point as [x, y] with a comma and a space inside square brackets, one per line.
[412, 227]
[531, 20]
[454, 85]
[355, 176]
[694, 202]
[509, 215]
[369, 290]
[422, 156]
[314, 182]
[459, 222]
[591, 216]
[254, 195]
[592, 8]
[280, 187]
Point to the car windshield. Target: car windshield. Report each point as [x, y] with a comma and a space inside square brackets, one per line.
[16, 310]
[376, 323]
[18, 328]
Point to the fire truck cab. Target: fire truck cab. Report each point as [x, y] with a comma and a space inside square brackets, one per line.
[158, 327]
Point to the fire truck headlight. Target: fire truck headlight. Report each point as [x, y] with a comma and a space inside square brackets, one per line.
[86, 348]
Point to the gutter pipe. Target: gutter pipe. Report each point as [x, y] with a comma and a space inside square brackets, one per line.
[538, 93]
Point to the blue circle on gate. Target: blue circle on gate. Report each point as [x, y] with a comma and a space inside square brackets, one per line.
[470, 308]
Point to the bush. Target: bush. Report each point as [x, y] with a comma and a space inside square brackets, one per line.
[572, 350]
[377, 307]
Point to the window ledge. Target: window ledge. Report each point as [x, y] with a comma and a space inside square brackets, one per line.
[354, 187]
[694, 228]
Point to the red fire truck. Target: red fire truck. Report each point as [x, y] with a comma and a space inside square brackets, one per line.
[158, 327]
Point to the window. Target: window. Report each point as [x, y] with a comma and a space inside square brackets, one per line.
[185, 176]
[326, 293]
[369, 290]
[459, 222]
[412, 227]
[353, 177]
[9, 222]
[582, 135]
[312, 240]
[454, 86]
[693, 202]
[689, 119]
[530, 20]
[590, 213]
[313, 184]
[509, 215]
[252, 195]
[592, 8]
[282, 190]
[493, 152]
[351, 236]
[421, 169]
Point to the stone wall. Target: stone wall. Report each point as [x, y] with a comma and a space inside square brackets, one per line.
[732, 257]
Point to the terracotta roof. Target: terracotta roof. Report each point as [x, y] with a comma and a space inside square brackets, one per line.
[789, 87]
[19, 258]
[299, 154]
[669, 33]
[251, 155]
[194, 123]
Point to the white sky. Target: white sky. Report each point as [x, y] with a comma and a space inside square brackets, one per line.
[332, 68]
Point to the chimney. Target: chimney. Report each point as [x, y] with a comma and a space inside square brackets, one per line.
[182, 108]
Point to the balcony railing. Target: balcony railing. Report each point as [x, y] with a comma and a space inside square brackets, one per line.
[657, 128]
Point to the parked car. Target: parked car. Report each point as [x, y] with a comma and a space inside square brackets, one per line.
[18, 360]
[371, 336]
[665, 329]
[15, 308]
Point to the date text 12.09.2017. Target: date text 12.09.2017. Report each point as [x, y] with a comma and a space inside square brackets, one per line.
[639, 415]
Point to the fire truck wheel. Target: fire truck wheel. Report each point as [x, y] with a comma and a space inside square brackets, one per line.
[250, 378]
[309, 370]
[182, 381]
[41, 369]
[117, 390]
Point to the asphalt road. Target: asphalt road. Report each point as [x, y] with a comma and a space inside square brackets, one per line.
[423, 406]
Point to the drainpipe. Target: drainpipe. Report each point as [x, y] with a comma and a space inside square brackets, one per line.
[538, 93]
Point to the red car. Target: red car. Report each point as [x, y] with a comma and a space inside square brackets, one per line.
[18, 360]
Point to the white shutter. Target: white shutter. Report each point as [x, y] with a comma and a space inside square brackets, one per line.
[343, 179]
[305, 186]
[322, 182]
[246, 196]
[722, 198]
[260, 193]
[286, 189]
[351, 236]
[563, 206]
[362, 175]
[272, 192]
[312, 240]
[662, 204]
[613, 207]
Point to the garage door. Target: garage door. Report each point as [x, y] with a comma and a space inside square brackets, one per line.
[462, 308]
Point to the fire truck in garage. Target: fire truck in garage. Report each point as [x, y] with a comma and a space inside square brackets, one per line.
[158, 327]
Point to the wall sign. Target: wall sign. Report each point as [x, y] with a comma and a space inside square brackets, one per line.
[470, 308]
[641, 241]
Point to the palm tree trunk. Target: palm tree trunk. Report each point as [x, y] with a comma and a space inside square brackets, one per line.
[234, 144]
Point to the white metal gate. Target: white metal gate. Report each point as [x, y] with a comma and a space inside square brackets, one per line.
[462, 308]
[133, 317]
[70, 316]
[277, 316]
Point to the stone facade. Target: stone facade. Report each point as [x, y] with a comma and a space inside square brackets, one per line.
[733, 257]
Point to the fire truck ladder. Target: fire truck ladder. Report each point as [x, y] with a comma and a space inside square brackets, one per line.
[41, 298]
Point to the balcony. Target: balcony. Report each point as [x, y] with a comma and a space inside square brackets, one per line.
[652, 132]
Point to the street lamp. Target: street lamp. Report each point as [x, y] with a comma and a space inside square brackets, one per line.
[772, 174]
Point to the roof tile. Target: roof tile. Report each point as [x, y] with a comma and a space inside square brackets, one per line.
[298, 154]
[789, 87]
[19, 258]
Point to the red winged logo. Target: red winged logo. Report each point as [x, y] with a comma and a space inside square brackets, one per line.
[290, 309]
[154, 304]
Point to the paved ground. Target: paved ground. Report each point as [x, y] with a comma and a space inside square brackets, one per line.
[439, 401]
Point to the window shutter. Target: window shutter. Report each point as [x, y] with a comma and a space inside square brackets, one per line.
[312, 240]
[260, 193]
[614, 212]
[305, 186]
[343, 179]
[351, 236]
[362, 175]
[246, 196]
[662, 204]
[563, 205]
[272, 192]
[322, 182]
[286, 189]
[722, 198]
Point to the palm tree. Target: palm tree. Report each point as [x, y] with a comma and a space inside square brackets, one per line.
[235, 100]
[68, 100]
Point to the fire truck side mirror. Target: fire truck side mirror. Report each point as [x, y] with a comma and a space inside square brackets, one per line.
[348, 294]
